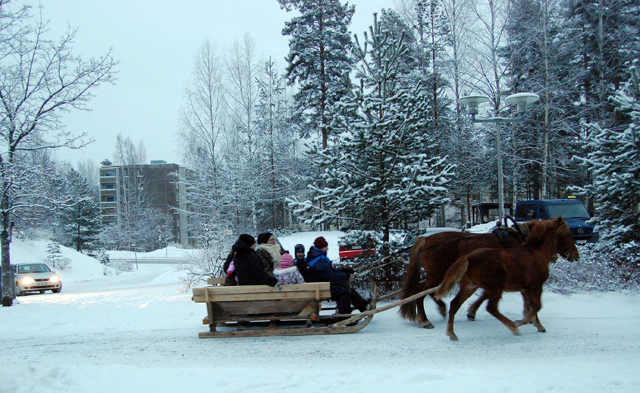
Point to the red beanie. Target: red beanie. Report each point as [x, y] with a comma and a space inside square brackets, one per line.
[320, 242]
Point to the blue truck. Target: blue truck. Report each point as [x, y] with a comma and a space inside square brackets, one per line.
[571, 210]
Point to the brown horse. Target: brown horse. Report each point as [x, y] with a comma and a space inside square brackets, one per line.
[438, 252]
[496, 270]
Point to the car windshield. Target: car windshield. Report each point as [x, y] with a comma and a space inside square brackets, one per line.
[33, 268]
[576, 210]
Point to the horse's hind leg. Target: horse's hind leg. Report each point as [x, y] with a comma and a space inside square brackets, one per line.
[422, 315]
[467, 288]
[473, 309]
[492, 308]
[442, 308]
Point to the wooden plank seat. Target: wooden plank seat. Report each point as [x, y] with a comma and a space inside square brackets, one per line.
[248, 307]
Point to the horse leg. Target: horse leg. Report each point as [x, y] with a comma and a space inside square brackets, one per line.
[422, 315]
[492, 308]
[533, 305]
[467, 288]
[471, 312]
[442, 308]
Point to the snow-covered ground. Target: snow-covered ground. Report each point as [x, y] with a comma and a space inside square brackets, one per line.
[136, 332]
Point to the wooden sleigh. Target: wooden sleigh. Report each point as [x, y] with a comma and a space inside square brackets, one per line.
[261, 310]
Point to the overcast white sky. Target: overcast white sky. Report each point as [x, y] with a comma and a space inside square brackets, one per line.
[155, 42]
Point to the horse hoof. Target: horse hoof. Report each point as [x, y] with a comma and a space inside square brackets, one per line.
[453, 337]
[428, 325]
[471, 317]
[515, 331]
[543, 330]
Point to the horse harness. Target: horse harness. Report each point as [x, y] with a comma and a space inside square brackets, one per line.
[501, 233]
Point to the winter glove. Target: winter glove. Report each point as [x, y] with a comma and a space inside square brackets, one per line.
[348, 270]
[278, 287]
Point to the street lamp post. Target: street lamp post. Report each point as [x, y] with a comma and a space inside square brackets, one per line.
[519, 99]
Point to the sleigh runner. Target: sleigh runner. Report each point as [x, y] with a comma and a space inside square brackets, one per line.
[261, 310]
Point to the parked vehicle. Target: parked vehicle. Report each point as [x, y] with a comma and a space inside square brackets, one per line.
[347, 251]
[35, 277]
[571, 210]
[411, 237]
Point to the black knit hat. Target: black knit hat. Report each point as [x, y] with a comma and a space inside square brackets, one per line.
[264, 237]
[299, 248]
[247, 239]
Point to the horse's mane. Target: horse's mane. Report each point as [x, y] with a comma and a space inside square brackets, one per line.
[563, 229]
[538, 233]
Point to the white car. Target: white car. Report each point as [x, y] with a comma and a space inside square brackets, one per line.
[35, 277]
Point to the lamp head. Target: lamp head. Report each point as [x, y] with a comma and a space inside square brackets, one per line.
[472, 102]
[522, 99]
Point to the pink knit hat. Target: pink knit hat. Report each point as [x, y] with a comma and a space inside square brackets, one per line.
[286, 261]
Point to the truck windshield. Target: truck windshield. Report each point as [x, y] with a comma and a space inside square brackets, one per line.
[568, 211]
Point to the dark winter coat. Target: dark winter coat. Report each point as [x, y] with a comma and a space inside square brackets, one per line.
[301, 264]
[320, 269]
[249, 267]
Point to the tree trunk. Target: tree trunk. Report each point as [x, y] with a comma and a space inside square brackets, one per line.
[7, 296]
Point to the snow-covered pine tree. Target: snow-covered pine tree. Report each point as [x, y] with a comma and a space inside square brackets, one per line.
[600, 37]
[382, 173]
[55, 258]
[318, 58]
[429, 39]
[80, 213]
[614, 163]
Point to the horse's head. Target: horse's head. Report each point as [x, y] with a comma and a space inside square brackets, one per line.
[566, 244]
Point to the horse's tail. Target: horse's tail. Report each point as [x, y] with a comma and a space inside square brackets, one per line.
[452, 277]
[412, 281]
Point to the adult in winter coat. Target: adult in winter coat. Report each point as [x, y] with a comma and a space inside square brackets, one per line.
[269, 251]
[287, 273]
[248, 267]
[320, 269]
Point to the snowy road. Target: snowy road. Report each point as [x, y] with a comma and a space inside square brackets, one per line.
[138, 334]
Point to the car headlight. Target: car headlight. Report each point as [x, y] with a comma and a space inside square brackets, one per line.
[54, 279]
[27, 281]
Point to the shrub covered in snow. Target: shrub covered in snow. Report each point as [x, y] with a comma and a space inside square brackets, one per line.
[113, 268]
[55, 258]
[601, 268]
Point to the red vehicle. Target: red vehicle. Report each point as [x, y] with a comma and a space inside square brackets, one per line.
[350, 252]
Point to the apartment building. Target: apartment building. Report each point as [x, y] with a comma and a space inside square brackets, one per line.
[160, 187]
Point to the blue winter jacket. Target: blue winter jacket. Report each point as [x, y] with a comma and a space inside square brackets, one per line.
[320, 268]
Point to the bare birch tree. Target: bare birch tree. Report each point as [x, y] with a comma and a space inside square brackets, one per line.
[243, 73]
[40, 79]
[201, 135]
